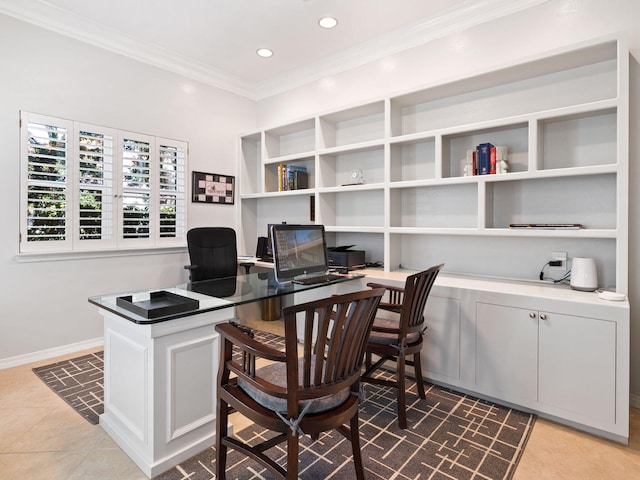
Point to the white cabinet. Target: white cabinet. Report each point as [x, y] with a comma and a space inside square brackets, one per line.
[563, 365]
[564, 119]
[507, 353]
[441, 351]
[577, 367]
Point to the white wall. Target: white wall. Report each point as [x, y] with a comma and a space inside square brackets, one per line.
[43, 305]
[512, 39]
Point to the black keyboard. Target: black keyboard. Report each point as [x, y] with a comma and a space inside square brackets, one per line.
[317, 279]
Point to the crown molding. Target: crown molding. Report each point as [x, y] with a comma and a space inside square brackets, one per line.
[50, 17]
[472, 13]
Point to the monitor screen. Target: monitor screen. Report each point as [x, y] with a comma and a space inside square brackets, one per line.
[298, 250]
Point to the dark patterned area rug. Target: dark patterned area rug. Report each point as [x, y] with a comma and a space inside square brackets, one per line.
[450, 435]
[79, 382]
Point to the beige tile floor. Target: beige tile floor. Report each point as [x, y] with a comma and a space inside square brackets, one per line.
[43, 438]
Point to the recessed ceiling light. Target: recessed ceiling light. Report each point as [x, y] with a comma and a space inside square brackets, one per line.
[264, 52]
[327, 22]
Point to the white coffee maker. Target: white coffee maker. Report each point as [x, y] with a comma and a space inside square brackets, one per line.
[584, 276]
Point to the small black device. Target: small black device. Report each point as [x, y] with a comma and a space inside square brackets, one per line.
[262, 248]
[344, 258]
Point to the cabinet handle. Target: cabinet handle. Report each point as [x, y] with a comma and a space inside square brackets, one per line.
[532, 314]
[543, 316]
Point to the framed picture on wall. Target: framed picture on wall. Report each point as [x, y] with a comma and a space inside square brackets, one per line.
[212, 188]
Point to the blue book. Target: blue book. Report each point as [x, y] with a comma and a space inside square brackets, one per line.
[296, 177]
[484, 158]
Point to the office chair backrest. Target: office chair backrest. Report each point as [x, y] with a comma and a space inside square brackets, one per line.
[212, 252]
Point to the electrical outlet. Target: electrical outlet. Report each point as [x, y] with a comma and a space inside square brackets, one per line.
[560, 257]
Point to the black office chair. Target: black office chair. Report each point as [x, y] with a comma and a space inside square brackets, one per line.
[213, 253]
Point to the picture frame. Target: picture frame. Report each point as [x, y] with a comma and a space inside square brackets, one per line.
[212, 188]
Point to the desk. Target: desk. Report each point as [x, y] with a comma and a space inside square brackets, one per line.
[160, 374]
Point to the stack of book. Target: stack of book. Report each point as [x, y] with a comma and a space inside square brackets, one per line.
[291, 177]
[486, 159]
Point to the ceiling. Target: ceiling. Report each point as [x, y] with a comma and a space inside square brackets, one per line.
[215, 41]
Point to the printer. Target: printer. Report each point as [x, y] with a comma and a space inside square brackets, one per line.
[343, 257]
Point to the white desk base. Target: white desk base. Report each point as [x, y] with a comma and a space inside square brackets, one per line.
[160, 387]
[160, 382]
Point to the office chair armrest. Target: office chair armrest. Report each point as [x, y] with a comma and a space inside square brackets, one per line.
[247, 266]
[396, 297]
[233, 335]
[391, 307]
[247, 344]
[380, 329]
[391, 288]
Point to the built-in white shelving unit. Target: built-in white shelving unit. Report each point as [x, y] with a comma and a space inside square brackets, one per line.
[563, 117]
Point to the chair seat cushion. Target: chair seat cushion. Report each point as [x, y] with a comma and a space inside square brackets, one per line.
[276, 373]
[383, 338]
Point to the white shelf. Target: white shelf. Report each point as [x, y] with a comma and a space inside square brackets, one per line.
[296, 157]
[352, 148]
[356, 229]
[563, 118]
[352, 188]
[286, 193]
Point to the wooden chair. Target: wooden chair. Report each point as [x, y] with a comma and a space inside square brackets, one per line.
[306, 389]
[398, 338]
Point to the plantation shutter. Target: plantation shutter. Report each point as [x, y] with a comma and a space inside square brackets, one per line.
[47, 188]
[137, 169]
[171, 182]
[94, 205]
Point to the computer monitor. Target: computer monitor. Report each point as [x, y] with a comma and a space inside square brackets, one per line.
[298, 250]
[269, 252]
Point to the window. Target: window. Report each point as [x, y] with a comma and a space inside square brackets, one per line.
[87, 187]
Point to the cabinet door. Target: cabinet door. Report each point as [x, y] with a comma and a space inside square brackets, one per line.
[441, 350]
[507, 352]
[578, 367]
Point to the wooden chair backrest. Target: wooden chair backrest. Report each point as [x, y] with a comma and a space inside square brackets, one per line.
[416, 292]
[335, 332]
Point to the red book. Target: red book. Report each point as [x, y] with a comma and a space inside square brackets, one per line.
[492, 160]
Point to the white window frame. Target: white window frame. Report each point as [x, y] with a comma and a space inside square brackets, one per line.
[113, 191]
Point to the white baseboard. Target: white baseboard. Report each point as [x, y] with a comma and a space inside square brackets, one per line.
[49, 353]
[634, 400]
